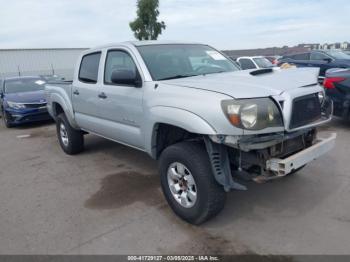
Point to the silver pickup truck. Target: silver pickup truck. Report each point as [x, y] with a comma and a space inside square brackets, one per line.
[212, 126]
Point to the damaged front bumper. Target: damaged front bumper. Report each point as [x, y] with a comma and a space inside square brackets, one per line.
[287, 165]
[247, 143]
[264, 157]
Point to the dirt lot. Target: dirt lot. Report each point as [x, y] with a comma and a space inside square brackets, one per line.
[107, 200]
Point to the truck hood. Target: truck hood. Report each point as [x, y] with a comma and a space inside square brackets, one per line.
[27, 97]
[241, 84]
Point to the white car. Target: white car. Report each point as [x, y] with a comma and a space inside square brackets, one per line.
[254, 62]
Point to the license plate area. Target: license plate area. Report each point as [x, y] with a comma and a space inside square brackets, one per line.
[285, 166]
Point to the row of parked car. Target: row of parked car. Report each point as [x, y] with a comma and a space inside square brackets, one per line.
[323, 59]
[334, 72]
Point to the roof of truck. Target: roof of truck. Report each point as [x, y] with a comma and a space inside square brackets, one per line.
[142, 43]
[157, 42]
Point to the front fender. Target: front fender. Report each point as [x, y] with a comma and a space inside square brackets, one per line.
[181, 118]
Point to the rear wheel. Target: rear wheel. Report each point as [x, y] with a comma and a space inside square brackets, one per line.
[70, 139]
[188, 183]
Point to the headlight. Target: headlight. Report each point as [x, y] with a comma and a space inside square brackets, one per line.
[253, 114]
[249, 115]
[15, 105]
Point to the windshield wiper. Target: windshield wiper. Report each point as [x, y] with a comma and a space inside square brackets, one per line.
[175, 77]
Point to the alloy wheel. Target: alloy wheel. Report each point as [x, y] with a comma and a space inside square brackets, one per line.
[182, 185]
[64, 134]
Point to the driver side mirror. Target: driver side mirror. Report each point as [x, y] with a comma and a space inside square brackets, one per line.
[1, 95]
[126, 77]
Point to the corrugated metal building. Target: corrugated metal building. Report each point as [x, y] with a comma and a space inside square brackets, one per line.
[25, 62]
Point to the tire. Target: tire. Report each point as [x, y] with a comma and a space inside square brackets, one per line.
[72, 142]
[5, 119]
[210, 196]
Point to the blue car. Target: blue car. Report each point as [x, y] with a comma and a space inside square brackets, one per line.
[324, 59]
[23, 100]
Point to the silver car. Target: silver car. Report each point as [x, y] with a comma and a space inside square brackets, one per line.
[210, 125]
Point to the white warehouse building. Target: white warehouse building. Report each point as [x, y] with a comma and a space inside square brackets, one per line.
[29, 62]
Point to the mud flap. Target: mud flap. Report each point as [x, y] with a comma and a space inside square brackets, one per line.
[220, 163]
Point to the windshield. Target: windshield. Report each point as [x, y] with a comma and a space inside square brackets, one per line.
[262, 62]
[338, 54]
[24, 85]
[182, 60]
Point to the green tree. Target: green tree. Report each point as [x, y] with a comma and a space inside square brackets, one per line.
[146, 25]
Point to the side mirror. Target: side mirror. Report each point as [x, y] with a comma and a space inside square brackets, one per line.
[1, 95]
[328, 60]
[125, 77]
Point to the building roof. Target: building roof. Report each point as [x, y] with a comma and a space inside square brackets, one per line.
[42, 49]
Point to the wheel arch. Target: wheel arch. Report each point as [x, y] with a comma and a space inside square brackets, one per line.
[172, 125]
[59, 105]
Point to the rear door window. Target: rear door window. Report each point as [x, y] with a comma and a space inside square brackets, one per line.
[263, 62]
[88, 72]
[246, 64]
[318, 56]
[303, 56]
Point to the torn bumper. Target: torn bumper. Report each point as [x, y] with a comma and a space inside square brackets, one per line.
[285, 166]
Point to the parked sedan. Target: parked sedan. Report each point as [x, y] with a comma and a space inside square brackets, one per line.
[254, 62]
[337, 86]
[23, 100]
[323, 59]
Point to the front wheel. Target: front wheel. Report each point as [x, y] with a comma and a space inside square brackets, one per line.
[188, 183]
[71, 140]
[5, 119]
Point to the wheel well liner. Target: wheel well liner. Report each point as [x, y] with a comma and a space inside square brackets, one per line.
[57, 109]
[166, 135]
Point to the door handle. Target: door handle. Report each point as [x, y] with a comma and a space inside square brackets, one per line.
[102, 95]
[76, 92]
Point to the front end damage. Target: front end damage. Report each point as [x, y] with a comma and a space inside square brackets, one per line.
[263, 157]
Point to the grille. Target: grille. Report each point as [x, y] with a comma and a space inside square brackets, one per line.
[306, 109]
[35, 105]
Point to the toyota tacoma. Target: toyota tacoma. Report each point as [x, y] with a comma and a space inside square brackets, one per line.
[210, 125]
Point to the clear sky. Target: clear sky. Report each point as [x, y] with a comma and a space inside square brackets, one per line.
[225, 24]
